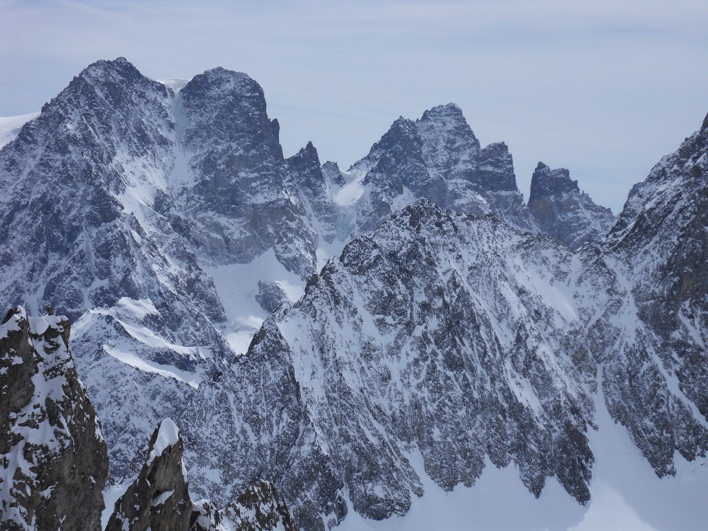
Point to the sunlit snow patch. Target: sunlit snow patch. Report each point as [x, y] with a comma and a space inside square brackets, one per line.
[167, 436]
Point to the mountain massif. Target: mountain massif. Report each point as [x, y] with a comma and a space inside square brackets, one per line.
[326, 341]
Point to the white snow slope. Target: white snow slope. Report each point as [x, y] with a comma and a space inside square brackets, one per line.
[626, 496]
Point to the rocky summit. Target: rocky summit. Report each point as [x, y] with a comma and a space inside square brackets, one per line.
[563, 211]
[334, 344]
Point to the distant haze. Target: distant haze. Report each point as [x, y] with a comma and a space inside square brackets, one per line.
[604, 89]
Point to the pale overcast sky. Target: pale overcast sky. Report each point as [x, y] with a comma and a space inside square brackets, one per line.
[604, 88]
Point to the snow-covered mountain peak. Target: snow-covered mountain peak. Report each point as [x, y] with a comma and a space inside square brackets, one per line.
[668, 181]
[444, 124]
[449, 112]
[105, 70]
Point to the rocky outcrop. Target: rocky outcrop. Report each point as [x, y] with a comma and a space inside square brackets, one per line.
[158, 499]
[270, 296]
[53, 459]
[238, 192]
[315, 188]
[563, 211]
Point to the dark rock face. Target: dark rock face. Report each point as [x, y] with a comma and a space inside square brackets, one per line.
[314, 185]
[270, 296]
[565, 213]
[79, 145]
[159, 498]
[243, 200]
[53, 457]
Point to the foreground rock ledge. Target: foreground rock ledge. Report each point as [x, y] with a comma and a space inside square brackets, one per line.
[53, 459]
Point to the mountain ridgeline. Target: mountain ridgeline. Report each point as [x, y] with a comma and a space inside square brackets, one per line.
[327, 339]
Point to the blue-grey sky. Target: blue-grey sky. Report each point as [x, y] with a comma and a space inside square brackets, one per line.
[604, 88]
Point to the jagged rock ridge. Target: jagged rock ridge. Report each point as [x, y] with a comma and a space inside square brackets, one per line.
[53, 459]
[417, 339]
[438, 158]
[136, 207]
[158, 499]
[657, 251]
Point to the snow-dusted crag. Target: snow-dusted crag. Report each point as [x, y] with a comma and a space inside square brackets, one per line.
[80, 231]
[439, 336]
[235, 193]
[260, 508]
[563, 211]
[53, 459]
[158, 499]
